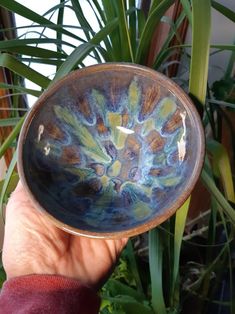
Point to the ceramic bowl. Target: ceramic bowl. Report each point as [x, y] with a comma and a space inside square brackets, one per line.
[111, 150]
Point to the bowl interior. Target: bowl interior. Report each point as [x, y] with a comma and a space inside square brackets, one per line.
[111, 148]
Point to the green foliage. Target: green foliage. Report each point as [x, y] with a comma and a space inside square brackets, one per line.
[125, 33]
[201, 10]
[2, 276]
[224, 89]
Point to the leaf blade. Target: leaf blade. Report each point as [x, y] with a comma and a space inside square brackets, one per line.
[155, 265]
[23, 70]
[201, 11]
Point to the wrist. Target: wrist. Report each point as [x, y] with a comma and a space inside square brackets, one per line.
[24, 266]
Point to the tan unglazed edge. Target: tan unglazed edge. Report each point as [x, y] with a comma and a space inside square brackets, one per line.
[196, 124]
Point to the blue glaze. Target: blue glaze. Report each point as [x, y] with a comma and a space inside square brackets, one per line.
[99, 156]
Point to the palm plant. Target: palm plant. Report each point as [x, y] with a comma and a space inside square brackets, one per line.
[126, 33]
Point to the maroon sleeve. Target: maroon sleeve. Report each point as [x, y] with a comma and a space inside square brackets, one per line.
[43, 294]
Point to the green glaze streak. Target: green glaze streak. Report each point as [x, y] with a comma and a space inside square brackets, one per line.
[83, 174]
[99, 99]
[106, 198]
[167, 108]
[114, 170]
[169, 181]
[119, 138]
[148, 126]
[135, 190]
[134, 95]
[141, 210]
[160, 159]
[90, 145]
[104, 180]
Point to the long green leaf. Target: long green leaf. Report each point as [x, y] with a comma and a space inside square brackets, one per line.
[153, 5]
[81, 18]
[32, 16]
[141, 22]
[210, 185]
[180, 220]
[155, 265]
[97, 7]
[41, 61]
[201, 11]
[83, 21]
[110, 15]
[149, 28]
[35, 52]
[9, 122]
[127, 54]
[224, 10]
[83, 50]
[100, 17]
[11, 137]
[222, 168]
[133, 266]
[11, 186]
[25, 90]
[219, 47]
[29, 41]
[187, 9]
[73, 60]
[55, 27]
[23, 70]
[133, 26]
[116, 287]
[60, 18]
[164, 51]
[7, 180]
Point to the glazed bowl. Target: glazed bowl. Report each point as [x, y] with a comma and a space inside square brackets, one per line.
[111, 150]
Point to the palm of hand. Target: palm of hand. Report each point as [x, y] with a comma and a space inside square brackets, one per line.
[33, 245]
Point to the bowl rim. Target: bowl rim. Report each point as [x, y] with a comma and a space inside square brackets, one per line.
[137, 69]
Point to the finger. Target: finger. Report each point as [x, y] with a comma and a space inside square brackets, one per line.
[19, 190]
[19, 186]
[19, 202]
[124, 242]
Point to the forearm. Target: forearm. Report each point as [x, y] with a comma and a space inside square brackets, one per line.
[47, 294]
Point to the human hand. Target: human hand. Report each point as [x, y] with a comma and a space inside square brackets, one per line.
[33, 245]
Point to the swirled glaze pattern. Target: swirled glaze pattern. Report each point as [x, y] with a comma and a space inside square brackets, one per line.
[109, 151]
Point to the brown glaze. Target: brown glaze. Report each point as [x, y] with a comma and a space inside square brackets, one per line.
[54, 132]
[151, 98]
[155, 141]
[174, 123]
[125, 118]
[70, 155]
[101, 128]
